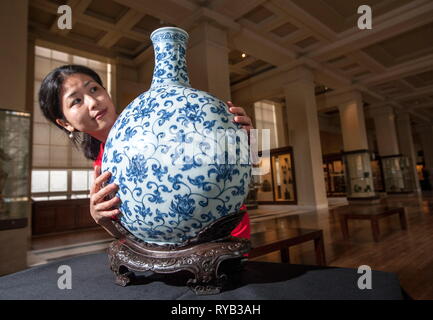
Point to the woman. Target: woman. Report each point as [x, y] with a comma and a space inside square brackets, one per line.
[74, 99]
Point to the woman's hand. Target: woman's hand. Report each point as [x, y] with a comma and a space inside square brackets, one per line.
[241, 116]
[103, 211]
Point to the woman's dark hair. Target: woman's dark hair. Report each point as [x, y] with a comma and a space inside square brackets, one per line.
[51, 106]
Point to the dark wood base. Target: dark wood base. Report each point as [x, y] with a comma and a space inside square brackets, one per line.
[200, 257]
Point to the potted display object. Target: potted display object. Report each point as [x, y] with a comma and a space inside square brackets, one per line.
[180, 161]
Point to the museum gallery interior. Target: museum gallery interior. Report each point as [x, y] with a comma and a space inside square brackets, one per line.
[348, 104]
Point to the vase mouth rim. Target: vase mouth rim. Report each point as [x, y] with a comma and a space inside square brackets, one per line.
[167, 29]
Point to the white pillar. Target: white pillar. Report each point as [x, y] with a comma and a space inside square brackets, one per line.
[386, 133]
[398, 177]
[407, 148]
[304, 136]
[13, 93]
[425, 134]
[355, 143]
[371, 141]
[13, 54]
[207, 59]
[353, 124]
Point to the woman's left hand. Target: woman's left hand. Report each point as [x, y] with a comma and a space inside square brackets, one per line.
[241, 116]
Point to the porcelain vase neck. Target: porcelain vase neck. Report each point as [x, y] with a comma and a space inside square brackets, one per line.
[170, 57]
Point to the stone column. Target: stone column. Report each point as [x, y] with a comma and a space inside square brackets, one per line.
[386, 133]
[13, 93]
[207, 59]
[407, 148]
[371, 141]
[360, 186]
[304, 136]
[396, 175]
[425, 134]
[353, 123]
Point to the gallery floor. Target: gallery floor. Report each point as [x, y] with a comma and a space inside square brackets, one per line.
[407, 253]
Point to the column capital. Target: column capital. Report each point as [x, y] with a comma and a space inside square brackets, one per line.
[299, 73]
[338, 98]
[205, 15]
[424, 129]
[348, 97]
[387, 111]
[205, 29]
[402, 115]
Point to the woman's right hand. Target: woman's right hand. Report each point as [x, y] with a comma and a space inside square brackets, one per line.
[103, 211]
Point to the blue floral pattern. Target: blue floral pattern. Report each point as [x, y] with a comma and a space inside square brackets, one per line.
[166, 158]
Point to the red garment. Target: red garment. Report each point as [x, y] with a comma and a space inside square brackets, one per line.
[98, 161]
[243, 230]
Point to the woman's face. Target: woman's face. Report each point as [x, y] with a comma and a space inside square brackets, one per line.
[86, 106]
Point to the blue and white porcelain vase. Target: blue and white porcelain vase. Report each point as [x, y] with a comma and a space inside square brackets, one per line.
[180, 161]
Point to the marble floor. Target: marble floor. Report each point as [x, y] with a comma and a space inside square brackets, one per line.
[407, 253]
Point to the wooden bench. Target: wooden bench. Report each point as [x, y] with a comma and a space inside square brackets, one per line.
[372, 213]
[266, 242]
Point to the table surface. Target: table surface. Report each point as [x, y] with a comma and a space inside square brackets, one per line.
[367, 210]
[263, 238]
[92, 279]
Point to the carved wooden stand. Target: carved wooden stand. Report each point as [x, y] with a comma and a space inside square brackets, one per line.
[201, 256]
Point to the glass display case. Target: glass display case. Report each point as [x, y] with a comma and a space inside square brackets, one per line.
[408, 178]
[376, 168]
[420, 171]
[264, 183]
[278, 185]
[333, 168]
[14, 168]
[423, 177]
[359, 178]
[397, 174]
